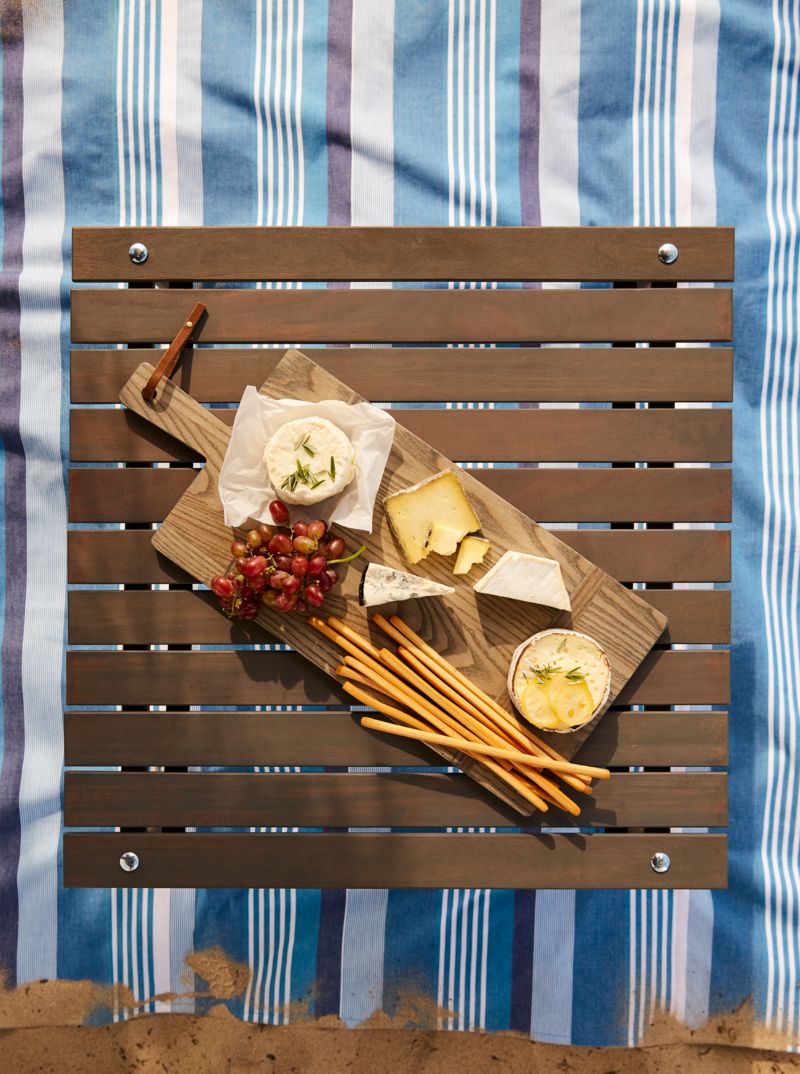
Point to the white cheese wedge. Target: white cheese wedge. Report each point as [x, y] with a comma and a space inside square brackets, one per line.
[309, 460]
[443, 539]
[383, 585]
[472, 551]
[414, 512]
[524, 577]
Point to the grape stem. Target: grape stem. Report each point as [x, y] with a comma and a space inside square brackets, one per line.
[349, 559]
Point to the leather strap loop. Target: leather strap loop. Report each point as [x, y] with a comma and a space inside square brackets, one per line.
[170, 357]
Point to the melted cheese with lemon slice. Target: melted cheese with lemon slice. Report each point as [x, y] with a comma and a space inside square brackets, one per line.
[559, 679]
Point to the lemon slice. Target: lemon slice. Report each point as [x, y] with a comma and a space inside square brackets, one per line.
[573, 704]
[536, 707]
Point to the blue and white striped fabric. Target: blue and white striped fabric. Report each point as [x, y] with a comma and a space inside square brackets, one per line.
[457, 112]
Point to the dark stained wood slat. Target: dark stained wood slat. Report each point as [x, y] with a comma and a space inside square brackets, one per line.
[336, 738]
[696, 435]
[128, 556]
[271, 678]
[147, 315]
[98, 617]
[428, 860]
[408, 800]
[401, 253]
[599, 495]
[516, 375]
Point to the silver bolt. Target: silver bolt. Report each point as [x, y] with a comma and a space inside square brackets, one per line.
[660, 862]
[129, 861]
[667, 253]
[138, 253]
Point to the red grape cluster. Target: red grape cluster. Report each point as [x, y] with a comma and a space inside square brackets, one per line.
[286, 566]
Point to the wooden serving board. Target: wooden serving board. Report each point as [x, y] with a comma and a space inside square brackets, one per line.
[478, 633]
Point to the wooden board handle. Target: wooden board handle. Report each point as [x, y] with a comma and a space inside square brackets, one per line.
[179, 415]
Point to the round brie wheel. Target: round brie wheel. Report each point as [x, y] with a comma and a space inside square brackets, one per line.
[559, 680]
[309, 460]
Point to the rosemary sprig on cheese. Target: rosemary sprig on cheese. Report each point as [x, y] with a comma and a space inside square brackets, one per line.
[575, 675]
[544, 672]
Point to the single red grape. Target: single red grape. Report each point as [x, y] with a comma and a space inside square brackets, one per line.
[239, 548]
[306, 545]
[254, 538]
[279, 511]
[286, 602]
[254, 566]
[277, 578]
[267, 531]
[268, 597]
[314, 595]
[300, 528]
[245, 592]
[299, 565]
[316, 565]
[332, 575]
[317, 528]
[259, 583]
[335, 547]
[301, 606]
[292, 584]
[248, 610]
[283, 563]
[223, 587]
[241, 562]
[281, 543]
[324, 582]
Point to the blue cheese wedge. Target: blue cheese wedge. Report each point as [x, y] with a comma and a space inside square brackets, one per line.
[384, 585]
[520, 576]
[309, 460]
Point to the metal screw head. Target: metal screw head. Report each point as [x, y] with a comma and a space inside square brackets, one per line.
[660, 862]
[129, 862]
[667, 253]
[138, 253]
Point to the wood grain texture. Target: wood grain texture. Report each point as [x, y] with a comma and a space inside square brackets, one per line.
[147, 315]
[390, 799]
[521, 436]
[336, 738]
[602, 495]
[493, 374]
[96, 677]
[401, 253]
[479, 632]
[127, 556]
[338, 860]
[98, 617]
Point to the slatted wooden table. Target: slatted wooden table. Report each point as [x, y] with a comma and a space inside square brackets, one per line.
[140, 667]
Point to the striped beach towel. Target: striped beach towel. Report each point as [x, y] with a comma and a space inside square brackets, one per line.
[451, 112]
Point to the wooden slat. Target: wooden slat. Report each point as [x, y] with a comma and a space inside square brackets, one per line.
[530, 435]
[98, 617]
[429, 860]
[147, 315]
[127, 556]
[408, 800]
[401, 253]
[600, 495]
[336, 738]
[264, 678]
[518, 375]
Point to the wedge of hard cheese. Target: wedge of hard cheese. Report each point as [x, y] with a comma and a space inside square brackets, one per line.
[383, 585]
[472, 550]
[415, 511]
[521, 576]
